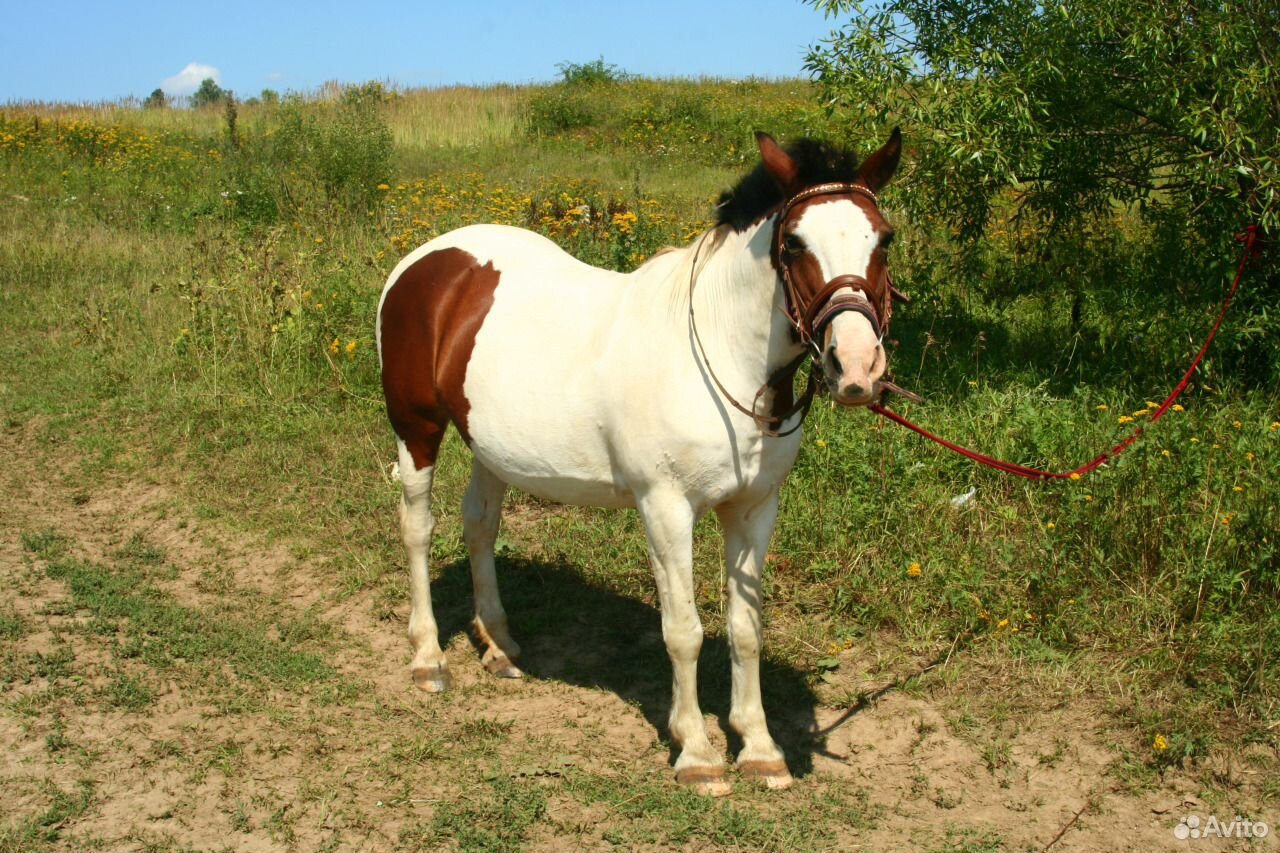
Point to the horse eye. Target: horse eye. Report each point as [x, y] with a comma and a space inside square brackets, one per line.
[886, 241]
[793, 245]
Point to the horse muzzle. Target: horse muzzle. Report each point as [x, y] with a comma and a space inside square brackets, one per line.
[853, 364]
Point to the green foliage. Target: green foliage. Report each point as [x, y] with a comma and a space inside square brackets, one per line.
[209, 94]
[157, 100]
[594, 73]
[1067, 121]
[344, 146]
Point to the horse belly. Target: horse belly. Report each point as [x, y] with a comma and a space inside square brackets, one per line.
[537, 419]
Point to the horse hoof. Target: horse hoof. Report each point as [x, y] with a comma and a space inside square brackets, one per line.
[774, 775]
[431, 679]
[502, 667]
[705, 781]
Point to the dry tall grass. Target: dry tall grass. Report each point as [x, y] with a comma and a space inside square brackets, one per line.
[465, 116]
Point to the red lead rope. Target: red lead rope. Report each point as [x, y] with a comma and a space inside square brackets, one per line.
[1248, 237]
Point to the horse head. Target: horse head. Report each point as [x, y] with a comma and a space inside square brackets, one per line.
[830, 248]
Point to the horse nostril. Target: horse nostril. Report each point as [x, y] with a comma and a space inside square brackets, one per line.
[854, 391]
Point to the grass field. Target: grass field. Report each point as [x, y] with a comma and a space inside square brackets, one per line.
[203, 647]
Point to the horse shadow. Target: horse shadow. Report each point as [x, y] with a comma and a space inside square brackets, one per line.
[578, 632]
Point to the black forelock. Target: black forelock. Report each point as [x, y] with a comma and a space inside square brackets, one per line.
[758, 193]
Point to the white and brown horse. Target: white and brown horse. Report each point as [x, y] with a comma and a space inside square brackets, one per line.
[591, 387]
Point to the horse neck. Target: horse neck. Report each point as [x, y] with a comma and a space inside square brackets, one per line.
[737, 302]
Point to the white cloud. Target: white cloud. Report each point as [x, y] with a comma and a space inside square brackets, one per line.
[186, 81]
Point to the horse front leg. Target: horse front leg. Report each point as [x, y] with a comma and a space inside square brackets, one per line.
[747, 530]
[668, 522]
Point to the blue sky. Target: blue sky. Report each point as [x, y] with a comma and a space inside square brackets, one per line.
[70, 50]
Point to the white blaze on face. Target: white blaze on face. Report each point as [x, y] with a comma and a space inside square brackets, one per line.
[842, 239]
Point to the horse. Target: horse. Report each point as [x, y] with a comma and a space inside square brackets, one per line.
[592, 387]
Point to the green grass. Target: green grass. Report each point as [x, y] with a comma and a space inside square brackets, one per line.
[149, 320]
[45, 829]
[151, 627]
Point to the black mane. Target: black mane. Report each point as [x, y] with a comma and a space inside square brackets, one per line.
[758, 193]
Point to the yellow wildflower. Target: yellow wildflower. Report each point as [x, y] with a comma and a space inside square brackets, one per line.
[821, 443]
[333, 347]
[624, 221]
[1177, 407]
[1237, 488]
[351, 349]
[914, 570]
[1250, 456]
[1075, 475]
[319, 241]
[1104, 407]
[1088, 498]
[1003, 623]
[1236, 424]
[1166, 452]
[1151, 405]
[1275, 425]
[1124, 419]
[1195, 440]
[1050, 525]
[1160, 744]
[1226, 519]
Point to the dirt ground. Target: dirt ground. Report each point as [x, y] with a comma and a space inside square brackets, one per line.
[361, 761]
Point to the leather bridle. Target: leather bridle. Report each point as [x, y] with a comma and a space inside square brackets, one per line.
[808, 315]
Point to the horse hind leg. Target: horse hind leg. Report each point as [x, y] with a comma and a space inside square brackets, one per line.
[430, 669]
[481, 515]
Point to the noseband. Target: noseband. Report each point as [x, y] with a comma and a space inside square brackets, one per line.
[810, 315]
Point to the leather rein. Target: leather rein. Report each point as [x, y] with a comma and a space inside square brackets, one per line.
[808, 317]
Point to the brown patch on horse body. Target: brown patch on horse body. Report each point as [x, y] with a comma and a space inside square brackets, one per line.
[430, 318]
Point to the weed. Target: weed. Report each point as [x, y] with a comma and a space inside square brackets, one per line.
[496, 819]
[129, 692]
[12, 626]
[42, 831]
[163, 633]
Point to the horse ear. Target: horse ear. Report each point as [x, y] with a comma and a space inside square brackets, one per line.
[777, 162]
[880, 166]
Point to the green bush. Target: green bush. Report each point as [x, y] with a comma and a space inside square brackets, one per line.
[594, 73]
